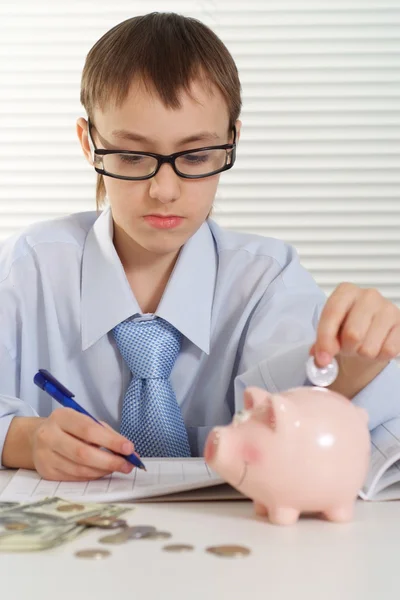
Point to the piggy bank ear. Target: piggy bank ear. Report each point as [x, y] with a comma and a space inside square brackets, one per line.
[276, 413]
[255, 397]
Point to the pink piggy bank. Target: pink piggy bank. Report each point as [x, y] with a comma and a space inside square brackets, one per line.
[305, 450]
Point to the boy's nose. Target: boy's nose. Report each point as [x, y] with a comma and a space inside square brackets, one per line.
[165, 186]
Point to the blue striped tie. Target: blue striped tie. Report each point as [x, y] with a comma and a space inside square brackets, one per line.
[151, 417]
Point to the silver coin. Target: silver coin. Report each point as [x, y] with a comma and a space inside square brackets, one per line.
[117, 538]
[140, 531]
[322, 376]
[93, 553]
[228, 550]
[178, 548]
[136, 532]
[157, 535]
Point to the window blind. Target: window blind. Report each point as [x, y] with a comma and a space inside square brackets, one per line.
[318, 159]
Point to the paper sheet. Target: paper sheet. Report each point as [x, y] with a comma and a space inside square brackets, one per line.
[384, 468]
[163, 476]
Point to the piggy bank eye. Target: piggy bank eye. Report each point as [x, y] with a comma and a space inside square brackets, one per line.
[241, 416]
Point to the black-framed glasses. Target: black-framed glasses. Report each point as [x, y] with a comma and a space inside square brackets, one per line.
[189, 164]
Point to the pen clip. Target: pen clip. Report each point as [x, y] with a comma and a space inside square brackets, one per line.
[43, 377]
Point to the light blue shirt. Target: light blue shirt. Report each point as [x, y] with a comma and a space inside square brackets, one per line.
[247, 309]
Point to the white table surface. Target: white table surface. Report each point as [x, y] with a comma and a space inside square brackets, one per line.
[313, 559]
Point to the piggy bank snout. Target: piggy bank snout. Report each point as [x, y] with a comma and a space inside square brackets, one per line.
[211, 447]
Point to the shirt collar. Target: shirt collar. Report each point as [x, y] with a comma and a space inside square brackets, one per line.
[107, 298]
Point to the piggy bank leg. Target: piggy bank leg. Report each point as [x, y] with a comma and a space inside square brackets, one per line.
[283, 515]
[340, 514]
[260, 509]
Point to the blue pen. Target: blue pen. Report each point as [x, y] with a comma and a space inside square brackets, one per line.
[56, 390]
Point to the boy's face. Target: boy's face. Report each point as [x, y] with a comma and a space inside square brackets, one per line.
[163, 131]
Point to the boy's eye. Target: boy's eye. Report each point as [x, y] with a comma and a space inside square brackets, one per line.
[195, 159]
[130, 159]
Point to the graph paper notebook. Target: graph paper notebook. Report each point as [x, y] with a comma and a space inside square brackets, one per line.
[164, 480]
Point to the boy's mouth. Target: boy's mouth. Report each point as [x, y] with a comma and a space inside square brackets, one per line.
[163, 222]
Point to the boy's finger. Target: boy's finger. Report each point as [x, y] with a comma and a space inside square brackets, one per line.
[84, 454]
[112, 429]
[70, 471]
[321, 359]
[391, 346]
[355, 329]
[375, 337]
[89, 431]
[332, 319]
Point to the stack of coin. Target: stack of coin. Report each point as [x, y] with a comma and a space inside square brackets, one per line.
[103, 522]
[136, 532]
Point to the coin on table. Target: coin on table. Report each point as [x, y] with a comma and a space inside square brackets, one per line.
[140, 531]
[157, 535]
[116, 538]
[16, 526]
[228, 550]
[93, 553]
[136, 532]
[102, 522]
[70, 507]
[178, 548]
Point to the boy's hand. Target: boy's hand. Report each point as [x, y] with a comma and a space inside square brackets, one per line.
[67, 447]
[362, 329]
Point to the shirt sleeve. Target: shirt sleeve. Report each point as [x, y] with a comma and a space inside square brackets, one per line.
[279, 336]
[10, 405]
[381, 397]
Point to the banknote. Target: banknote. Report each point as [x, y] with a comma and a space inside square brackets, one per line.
[5, 505]
[47, 523]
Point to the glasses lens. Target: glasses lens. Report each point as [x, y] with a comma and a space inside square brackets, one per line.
[129, 165]
[203, 162]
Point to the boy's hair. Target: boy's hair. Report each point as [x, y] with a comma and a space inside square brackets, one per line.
[165, 52]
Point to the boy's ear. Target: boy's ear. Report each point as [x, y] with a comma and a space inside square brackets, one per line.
[82, 132]
[238, 126]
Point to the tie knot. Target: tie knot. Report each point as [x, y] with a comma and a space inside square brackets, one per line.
[149, 347]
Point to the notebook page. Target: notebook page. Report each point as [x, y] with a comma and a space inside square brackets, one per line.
[388, 478]
[385, 451]
[163, 476]
[389, 493]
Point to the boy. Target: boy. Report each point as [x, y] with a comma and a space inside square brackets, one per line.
[154, 316]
